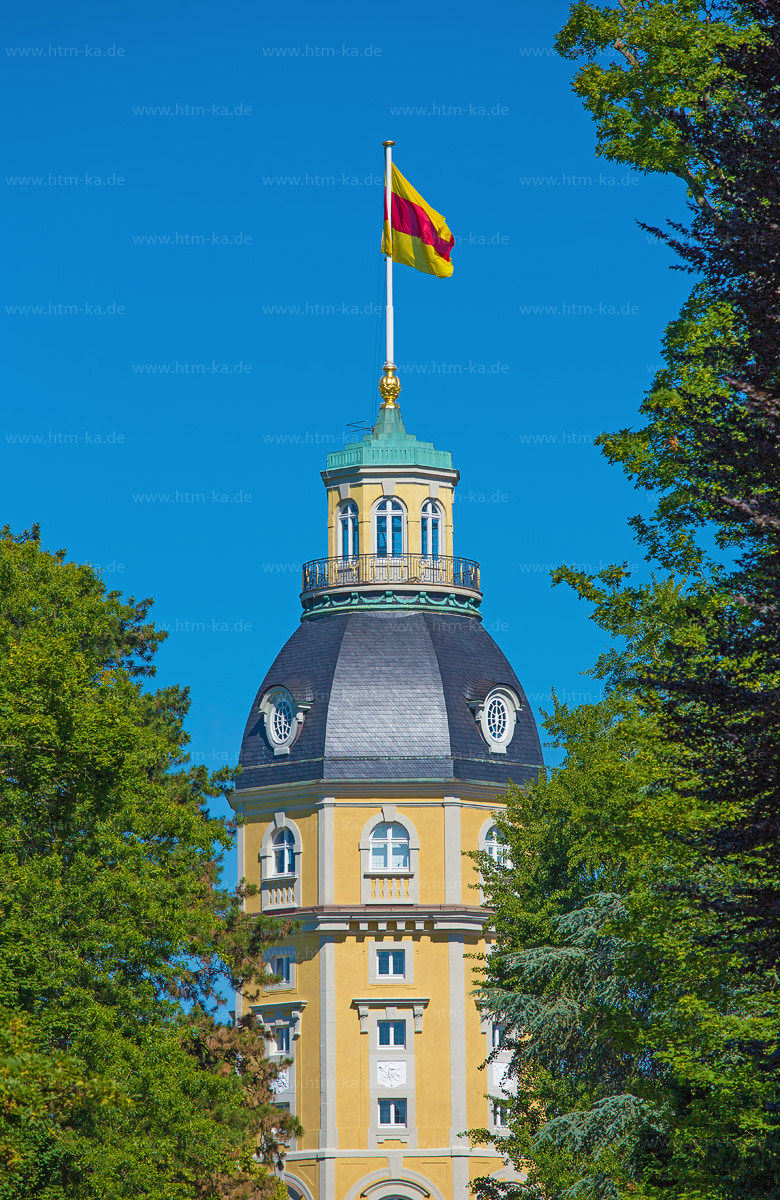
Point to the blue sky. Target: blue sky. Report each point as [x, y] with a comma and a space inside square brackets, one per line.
[193, 205]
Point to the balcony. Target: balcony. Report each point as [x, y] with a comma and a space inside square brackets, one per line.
[404, 570]
[279, 892]
[396, 887]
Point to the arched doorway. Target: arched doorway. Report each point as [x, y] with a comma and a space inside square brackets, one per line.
[409, 1186]
[296, 1190]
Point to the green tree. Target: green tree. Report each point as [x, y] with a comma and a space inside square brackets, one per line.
[584, 1114]
[643, 995]
[649, 70]
[633, 1023]
[116, 1077]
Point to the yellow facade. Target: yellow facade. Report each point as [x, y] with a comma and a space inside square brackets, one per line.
[367, 493]
[439, 934]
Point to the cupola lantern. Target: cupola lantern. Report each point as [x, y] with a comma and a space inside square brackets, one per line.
[390, 527]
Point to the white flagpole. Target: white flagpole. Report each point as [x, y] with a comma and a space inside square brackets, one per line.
[389, 339]
[389, 394]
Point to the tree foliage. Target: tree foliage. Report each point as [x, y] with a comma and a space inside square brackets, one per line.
[650, 69]
[116, 1077]
[639, 925]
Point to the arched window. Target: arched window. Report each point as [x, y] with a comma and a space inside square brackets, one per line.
[349, 538]
[389, 847]
[431, 530]
[496, 847]
[389, 528]
[284, 852]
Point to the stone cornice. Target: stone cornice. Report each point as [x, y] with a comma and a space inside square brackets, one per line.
[376, 918]
[365, 793]
[375, 473]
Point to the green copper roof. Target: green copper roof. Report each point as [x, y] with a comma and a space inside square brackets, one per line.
[389, 444]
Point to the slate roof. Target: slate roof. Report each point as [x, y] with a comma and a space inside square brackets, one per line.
[389, 695]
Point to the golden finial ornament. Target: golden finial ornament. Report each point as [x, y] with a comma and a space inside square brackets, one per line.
[390, 386]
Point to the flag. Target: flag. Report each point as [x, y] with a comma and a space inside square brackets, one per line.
[421, 238]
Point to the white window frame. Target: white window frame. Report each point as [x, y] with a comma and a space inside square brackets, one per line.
[393, 947]
[392, 1101]
[499, 1107]
[484, 845]
[407, 948]
[431, 511]
[388, 842]
[272, 957]
[279, 891]
[391, 958]
[384, 507]
[497, 850]
[283, 842]
[392, 1045]
[348, 515]
[281, 965]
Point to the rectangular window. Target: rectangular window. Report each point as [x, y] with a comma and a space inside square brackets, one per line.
[499, 1035]
[499, 1116]
[344, 538]
[392, 1112]
[283, 1039]
[281, 965]
[392, 1033]
[284, 1108]
[381, 537]
[435, 538]
[391, 963]
[284, 860]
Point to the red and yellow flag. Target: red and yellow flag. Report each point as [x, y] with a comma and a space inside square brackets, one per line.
[421, 238]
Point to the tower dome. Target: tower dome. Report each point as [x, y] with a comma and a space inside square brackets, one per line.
[391, 694]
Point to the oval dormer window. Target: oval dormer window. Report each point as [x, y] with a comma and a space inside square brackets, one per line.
[281, 719]
[497, 718]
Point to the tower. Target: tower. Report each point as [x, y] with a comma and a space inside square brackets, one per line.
[372, 758]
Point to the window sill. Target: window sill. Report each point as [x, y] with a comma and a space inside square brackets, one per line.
[392, 1140]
